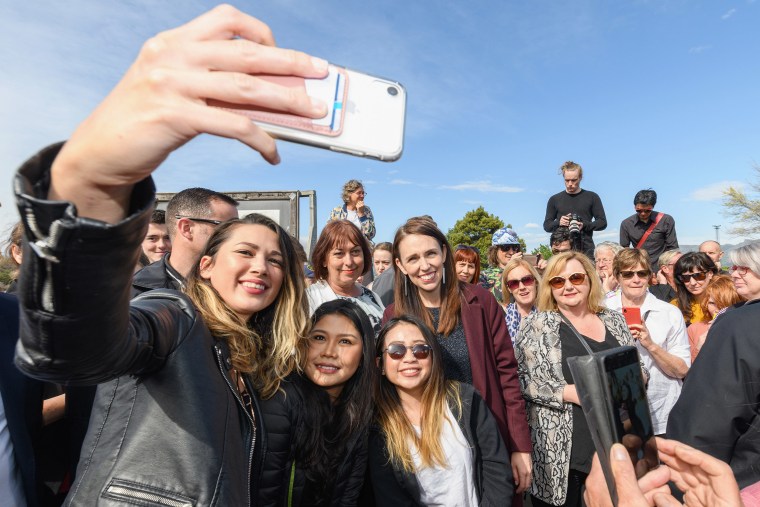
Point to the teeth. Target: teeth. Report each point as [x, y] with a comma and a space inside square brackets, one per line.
[252, 285]
[325, 367]
[427, 277]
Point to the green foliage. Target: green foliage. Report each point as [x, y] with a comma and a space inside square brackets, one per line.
[742, 209]
[7, 272]
[475, 228]
[543, 250]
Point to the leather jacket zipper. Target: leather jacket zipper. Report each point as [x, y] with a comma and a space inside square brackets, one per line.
[42, 247]
[236, 392]
[125, 492]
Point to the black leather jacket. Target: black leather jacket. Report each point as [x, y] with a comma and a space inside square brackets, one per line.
[168, 427]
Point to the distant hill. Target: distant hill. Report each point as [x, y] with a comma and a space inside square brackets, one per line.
[727, 247]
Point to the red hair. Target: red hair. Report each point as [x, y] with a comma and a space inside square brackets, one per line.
[466, 253]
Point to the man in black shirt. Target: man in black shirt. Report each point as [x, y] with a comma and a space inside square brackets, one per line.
[659, 228]
[579, 210]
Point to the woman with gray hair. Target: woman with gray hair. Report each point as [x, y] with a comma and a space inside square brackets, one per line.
[604, 256]
[745, 271]
[354, 210]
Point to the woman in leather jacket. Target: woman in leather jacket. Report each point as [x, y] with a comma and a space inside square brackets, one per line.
[174, 421]
[317, 424]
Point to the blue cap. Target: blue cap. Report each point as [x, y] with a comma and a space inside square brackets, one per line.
[505, 236]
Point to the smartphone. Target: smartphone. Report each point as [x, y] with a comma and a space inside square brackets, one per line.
[632, 315]
[366, 114]
[531, 259]
[628, 408]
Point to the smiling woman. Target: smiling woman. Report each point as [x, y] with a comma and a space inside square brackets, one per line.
[339, 259]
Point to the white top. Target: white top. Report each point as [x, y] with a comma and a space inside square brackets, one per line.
[11, 484]
[453, 486]
[668, 330]
[321, 292]
[353, 217]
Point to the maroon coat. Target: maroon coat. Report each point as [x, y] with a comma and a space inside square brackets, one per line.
[493, 364]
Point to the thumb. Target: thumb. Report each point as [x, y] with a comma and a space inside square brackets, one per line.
[625, 477]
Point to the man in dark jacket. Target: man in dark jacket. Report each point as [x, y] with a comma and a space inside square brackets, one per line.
[191, 217]
[658, 227]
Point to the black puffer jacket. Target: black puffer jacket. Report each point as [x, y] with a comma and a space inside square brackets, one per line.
[167, 427]
[284, 417]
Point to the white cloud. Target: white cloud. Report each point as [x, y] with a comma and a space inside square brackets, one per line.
[714, 191]
[401, 182]
[531, 226]
[698, 49]
[728, 14]
[484, 186]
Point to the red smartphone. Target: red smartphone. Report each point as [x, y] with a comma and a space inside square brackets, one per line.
[632, 315]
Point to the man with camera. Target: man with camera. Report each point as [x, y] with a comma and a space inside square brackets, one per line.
[579, 210]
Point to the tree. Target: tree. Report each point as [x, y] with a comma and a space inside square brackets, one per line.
[543, 250]
[476, 228]
[742, 209]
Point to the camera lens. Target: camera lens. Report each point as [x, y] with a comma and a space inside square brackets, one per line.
[392, 91]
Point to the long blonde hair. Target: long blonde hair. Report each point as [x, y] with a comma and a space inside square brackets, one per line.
[392, 419]
[557, 263]
[267, 345]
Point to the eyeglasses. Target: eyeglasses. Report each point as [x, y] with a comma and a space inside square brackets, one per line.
[397, 351]
[641, 211]
[203, 220]
[559, 281]
[527, 281]
[742, 270]
[627, 275]
[557, 251]
[698, 276]
[509, 248]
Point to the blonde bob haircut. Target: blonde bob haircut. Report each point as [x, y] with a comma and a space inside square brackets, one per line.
[514, 264]
[557, 263]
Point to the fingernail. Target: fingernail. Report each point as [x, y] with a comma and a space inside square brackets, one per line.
[319, 64]
[318, 106]
[276, 160]
[618, 453]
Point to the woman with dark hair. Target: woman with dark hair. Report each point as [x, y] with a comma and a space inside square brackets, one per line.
[339, 258]
[692, 273]
[316, 425]
[175, 419]
[436, 442]
[354, 210]
[469, 325]
[467, 264]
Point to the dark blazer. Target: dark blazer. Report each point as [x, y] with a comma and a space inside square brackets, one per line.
[493, 364]
[394, 487]
[718, 411]
[22, 399]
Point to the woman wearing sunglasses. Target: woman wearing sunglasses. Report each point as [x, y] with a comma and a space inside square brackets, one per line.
[521, 280]
[693, 272]
[660, 333]
[467, 263]
[435, 441]
[469, 325]
[570, 309]
[317, 423]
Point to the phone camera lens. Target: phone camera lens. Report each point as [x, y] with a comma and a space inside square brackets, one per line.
[392, 91]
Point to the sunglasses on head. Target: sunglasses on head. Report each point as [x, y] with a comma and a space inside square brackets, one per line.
[627, 275]
[528, 281]
[698, 276]
[398, 351]
[559, 281]
[509, 248]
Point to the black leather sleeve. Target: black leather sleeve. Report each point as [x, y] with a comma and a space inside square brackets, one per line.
[76, 322]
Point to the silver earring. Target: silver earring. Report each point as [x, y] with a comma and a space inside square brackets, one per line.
[406, 277]
[444, 275]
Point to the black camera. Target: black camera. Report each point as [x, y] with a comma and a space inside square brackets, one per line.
[575, 225]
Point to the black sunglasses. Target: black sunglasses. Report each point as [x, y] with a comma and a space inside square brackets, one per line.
[397, 351]
[204, 220]
[528, 281]
[509, 248]
[559, 281]
[627, 275]
[699, 276]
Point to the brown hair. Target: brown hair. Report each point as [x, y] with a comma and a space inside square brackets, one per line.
[464, 253]
[335, 233]
[721, 289]
[15, 237]
[557, 263]
[406, 295]
[349, 188]
[267, 345]
[571, 166]
[630, 257]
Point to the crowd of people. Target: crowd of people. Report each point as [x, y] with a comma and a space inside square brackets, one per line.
[198, 357]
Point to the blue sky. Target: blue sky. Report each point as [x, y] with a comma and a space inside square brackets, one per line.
[660, 94]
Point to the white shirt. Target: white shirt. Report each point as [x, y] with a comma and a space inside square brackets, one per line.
[11, 485]
[453, 486]
[668, 330]
[353, 217]
[321, 292]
